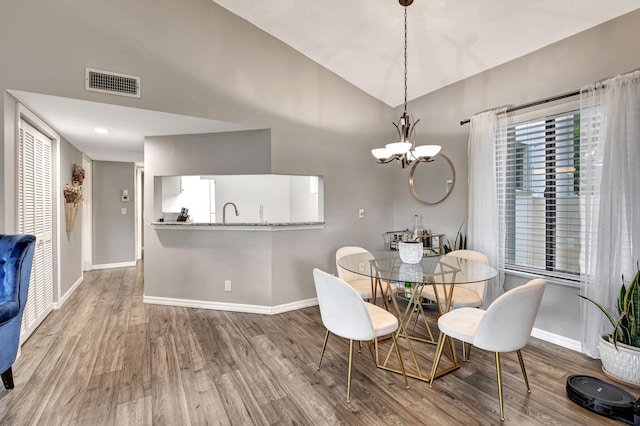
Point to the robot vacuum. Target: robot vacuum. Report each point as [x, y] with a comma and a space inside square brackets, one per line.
[604, 398]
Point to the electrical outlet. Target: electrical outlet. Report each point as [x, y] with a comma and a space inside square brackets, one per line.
[360, 267]
[361, 213]
[227, 285]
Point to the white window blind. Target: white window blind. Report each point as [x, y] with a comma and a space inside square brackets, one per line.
[542, 205]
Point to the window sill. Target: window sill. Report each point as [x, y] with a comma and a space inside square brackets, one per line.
[549, 278]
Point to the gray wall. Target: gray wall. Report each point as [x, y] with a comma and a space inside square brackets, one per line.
[266, 268]
[194, 264]
[113, 232]
[195, 58]
[598, 53]
[70, 242]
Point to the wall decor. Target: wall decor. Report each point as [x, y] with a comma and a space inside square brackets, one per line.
[73, 196]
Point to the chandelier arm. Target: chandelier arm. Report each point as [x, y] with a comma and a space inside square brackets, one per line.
[385, 161]
[413, 132]
[398, 130]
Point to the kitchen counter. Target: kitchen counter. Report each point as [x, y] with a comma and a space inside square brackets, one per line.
[217, 226]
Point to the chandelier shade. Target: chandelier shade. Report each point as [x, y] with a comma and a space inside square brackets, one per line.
[426, 151]
[404, 150]
[398, 148]
[383, 155]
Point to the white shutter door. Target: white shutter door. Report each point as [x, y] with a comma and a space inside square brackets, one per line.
[35, 216]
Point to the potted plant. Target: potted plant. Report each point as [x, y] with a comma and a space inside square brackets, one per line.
[620, 351]
[460, 242]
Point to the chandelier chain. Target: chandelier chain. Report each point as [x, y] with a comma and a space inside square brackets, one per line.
[404, 149]
[405, 60]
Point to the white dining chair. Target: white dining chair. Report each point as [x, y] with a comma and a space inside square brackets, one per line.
[504, 327]
[362, 284]
[464, 295]
[345, 314]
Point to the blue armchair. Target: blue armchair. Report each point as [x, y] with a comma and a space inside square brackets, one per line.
[16, 256]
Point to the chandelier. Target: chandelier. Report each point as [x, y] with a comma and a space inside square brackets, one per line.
[404, 150]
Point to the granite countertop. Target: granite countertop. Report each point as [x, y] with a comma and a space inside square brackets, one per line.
[237, 226]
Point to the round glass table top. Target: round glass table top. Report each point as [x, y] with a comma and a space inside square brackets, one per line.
[388, 266]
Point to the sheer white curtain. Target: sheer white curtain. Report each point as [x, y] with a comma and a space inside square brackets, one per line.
[485, 221]
[609, 197]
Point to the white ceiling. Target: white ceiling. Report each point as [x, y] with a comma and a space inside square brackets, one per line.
[359, 40]
[76, 120]
[448, 40]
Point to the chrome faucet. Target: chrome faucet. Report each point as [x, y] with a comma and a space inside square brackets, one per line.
[224, 211]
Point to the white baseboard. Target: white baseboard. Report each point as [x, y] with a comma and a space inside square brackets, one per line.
[232, 307]
[114, 265]
[294, 306]
[68, 294]
[557, 339]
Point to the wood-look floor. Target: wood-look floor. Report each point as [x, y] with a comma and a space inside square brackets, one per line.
[106, 358]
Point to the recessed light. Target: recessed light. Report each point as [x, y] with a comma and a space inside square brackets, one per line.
[101, 130]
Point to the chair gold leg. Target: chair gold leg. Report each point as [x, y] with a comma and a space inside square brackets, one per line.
[452, 350]
[436, 360]
[524, 371]
[466, 351]
[499, 376]
[404, 373]
[376, 355]
[350, 369]
[324, 346]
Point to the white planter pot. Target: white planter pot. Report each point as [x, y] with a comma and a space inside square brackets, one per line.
[622, 363]
[410, 251]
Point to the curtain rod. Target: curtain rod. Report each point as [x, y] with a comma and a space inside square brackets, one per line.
[532, 104]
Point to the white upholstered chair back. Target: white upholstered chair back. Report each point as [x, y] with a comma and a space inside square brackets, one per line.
[345, 251]
[476, 256]
[507, 323]
[342, 309]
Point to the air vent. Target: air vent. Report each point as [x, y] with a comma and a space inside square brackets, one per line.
[112, 83]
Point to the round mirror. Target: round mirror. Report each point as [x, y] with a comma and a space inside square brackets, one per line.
[432, 182]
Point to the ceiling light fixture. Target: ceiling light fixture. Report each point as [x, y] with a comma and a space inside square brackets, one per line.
[101, 130]
[405, 149]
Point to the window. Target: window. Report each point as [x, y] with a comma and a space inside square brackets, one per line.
[542, 205]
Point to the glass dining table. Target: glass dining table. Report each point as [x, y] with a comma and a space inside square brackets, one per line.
[392, 278]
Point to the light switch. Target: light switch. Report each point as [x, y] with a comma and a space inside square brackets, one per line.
[123, 210]
[361, 213]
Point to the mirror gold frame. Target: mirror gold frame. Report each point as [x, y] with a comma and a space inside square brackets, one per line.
[412, 183]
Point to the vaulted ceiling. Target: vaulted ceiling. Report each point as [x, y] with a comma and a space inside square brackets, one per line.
[362, 42]
[448, 40]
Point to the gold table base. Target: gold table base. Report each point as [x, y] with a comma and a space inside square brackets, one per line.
[411, 314]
